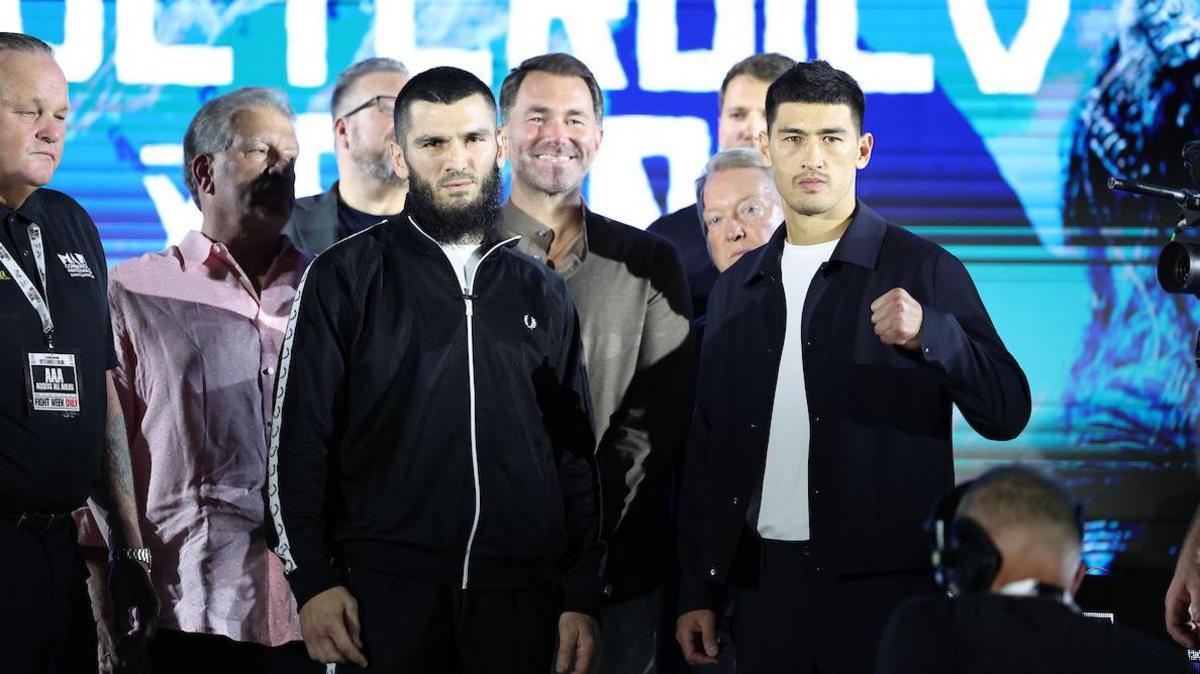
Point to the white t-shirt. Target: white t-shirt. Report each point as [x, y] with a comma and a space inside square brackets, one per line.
[460, 255]
[783, 512]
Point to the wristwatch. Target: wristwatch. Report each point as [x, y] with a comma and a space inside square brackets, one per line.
[137, 554]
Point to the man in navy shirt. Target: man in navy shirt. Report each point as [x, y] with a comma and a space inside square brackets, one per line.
[832, 358]
[57, 404]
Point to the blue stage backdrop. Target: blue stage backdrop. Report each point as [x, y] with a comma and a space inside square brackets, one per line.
[996, 123]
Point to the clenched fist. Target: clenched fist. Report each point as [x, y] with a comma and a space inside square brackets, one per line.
[898, 319]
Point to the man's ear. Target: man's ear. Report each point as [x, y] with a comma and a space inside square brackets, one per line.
[202, 173]
[399, 166]
[764, 148]
[866, 143]
[501, 147]
[341, 137]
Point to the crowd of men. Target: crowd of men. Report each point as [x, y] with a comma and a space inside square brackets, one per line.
[407, 426]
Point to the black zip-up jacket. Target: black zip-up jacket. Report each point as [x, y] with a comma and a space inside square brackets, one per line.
[432, 431]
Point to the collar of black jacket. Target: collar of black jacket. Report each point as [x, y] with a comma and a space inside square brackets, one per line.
[859, 245]
[416, 237]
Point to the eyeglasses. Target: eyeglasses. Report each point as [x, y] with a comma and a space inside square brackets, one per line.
[384, 104]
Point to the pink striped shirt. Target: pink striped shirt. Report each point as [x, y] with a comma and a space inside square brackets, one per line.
[198, 350]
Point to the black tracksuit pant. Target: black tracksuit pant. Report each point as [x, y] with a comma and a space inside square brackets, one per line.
[411, 626]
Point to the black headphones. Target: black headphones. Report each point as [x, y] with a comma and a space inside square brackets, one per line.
[964, 557]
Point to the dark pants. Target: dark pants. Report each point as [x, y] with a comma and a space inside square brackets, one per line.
[46, 624]
[799, 618]
[174, 652]
[411, 626]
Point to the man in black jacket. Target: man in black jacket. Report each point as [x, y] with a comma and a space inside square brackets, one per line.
[832, 359]
[433, 481]
[1015, 537]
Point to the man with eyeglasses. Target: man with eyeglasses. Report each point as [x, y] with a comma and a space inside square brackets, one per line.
[369, 188]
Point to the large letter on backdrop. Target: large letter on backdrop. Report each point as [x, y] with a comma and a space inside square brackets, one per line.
[1020, 68]
[82, 49]
[307, 40]
[396, 36]
[142, 59]
[876, 72]
[618, 186]
[662, 67]
[586, 24]
[784, 28]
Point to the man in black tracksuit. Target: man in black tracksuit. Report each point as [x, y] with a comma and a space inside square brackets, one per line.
[432, 476]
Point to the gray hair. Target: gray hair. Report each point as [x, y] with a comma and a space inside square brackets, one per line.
[211, 130]
[24, 43]
[726, 160]
[354, 73]
[736, 158]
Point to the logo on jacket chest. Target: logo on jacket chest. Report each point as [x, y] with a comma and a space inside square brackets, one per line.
[76, 265]
[530, 322]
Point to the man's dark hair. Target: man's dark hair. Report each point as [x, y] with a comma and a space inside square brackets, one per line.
[764, 67]
[1016, 496]
[560, 64]
[24, 43]
[350, 76]
[444, 85]
[816, 82]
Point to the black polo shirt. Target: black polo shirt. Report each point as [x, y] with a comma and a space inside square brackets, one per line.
[49, 464]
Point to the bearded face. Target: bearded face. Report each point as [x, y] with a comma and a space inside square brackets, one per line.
[456, 220]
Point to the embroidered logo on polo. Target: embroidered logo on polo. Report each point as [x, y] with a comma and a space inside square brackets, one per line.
[530, 322]
[76, 265]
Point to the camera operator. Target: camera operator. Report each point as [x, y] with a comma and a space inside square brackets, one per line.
[1011, 550]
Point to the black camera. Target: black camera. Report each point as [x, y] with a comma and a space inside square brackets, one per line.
[1179, 261]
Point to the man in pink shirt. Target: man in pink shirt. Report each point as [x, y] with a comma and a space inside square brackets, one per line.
[198, 330]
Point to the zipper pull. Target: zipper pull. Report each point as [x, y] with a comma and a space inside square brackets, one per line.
[467, 297]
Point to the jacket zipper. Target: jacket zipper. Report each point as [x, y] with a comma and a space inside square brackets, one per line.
[469, 311]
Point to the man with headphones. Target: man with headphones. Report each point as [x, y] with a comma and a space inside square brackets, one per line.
[1007, 550]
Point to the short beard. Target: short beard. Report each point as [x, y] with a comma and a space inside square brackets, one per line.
[474, 222]
[379, 167]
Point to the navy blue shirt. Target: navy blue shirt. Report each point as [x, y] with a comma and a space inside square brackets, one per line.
[49, 464]
[880, 416]
[685, 231]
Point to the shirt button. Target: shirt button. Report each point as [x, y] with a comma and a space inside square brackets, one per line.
[816, 492]
[268, 371]
[816, 418]
[753, 426]
[712, 571]
[541, 232]
[735, 500]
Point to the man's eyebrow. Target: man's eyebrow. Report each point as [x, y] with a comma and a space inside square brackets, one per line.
[828, 131]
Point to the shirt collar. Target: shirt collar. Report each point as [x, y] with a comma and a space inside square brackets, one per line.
[196, 249]
[532, 231]
[1031, 587]
[859, 245]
